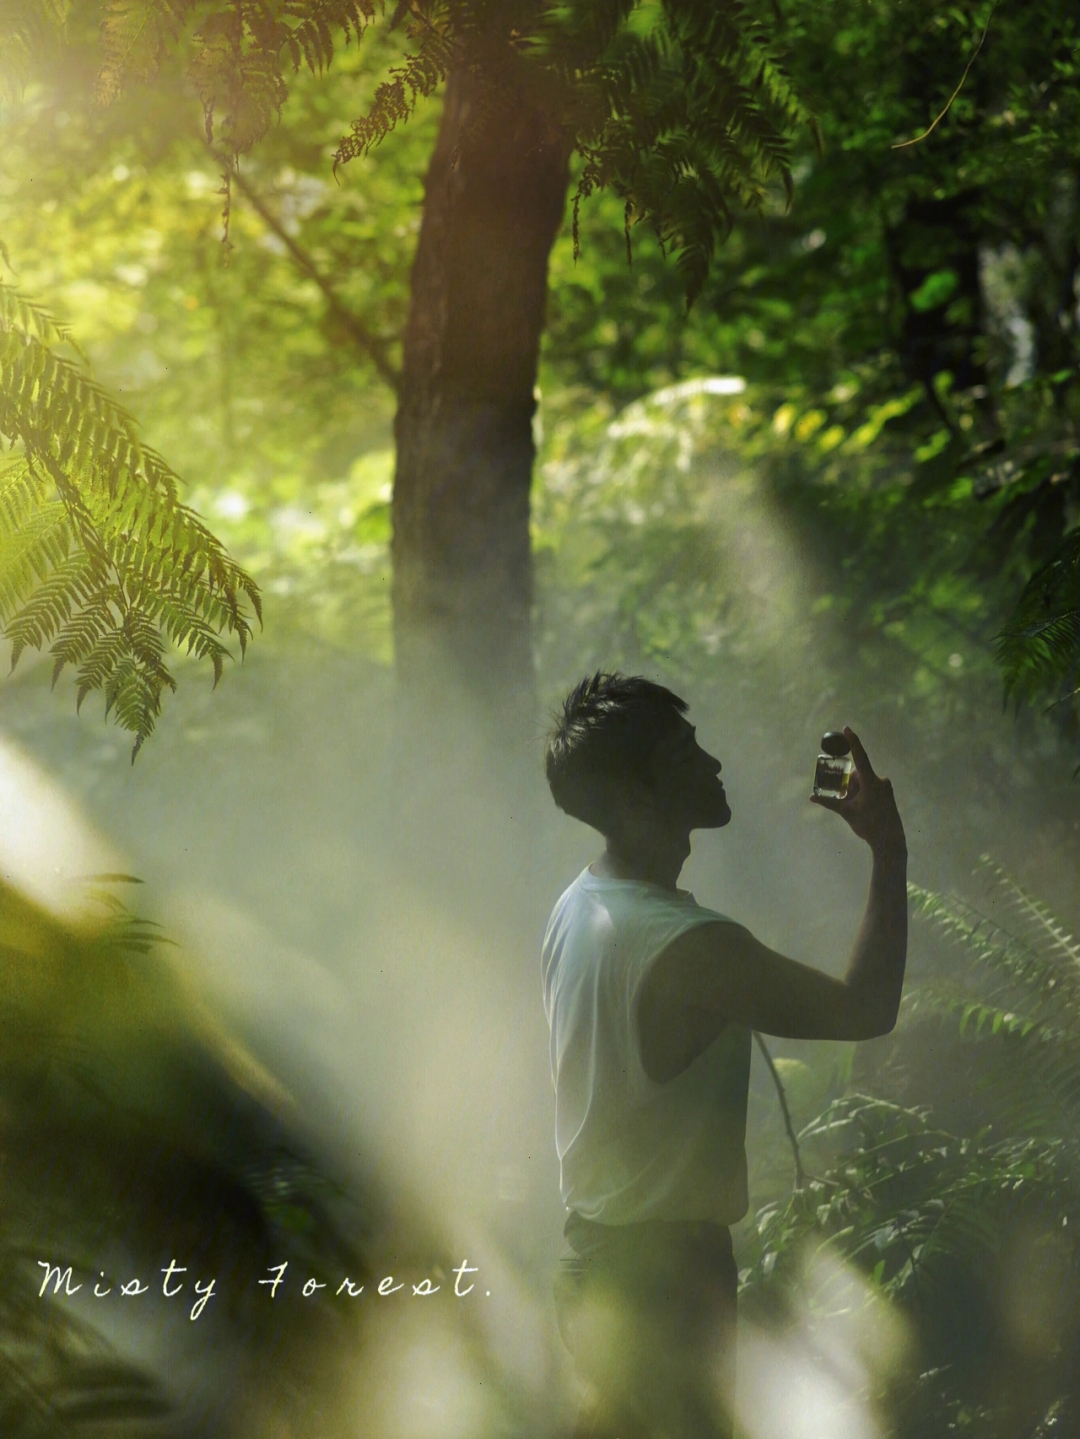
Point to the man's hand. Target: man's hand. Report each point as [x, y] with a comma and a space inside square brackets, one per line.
[716, 973]
[868, 807]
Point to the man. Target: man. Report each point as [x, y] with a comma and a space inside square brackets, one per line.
[651, 1001]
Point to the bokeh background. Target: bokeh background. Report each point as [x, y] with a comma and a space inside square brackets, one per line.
[785, 503]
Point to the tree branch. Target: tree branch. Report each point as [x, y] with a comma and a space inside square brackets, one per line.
[373, 347]
[903, 144]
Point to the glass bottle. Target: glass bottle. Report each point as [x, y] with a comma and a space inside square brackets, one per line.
[834, 766]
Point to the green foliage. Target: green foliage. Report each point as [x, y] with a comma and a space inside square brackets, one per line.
[1019, 981]
[683, 109]
[627, 548]
[973, 245]
[1039, 652]
[258, 394]
[129, 1118]
[28, 28]
[320, 549]
[99, 561]
[920, 526]
[965, 1223]
[414, 78]
[909, 323]
[698, 526]
[234, 53]
[686, 123]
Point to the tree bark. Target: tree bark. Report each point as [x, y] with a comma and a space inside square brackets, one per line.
[495, 193]
[938, 234]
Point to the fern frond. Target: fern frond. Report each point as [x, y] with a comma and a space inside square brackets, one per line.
[1038, 652]
[134, 34]
[1019, 991]
[29, 554]
[34, 625]
[397, 97]
[188, 629]
[99, 561]
[307, 30]
[21, 491]
[75, 641]
[950, 1000]
[913, 1202]
[1045, 973]
[685, 124]
[57, 412]
[931, 1216]
[238, 50]
[28, 30]
[21, 314]
[1043, 928]
[686, 120]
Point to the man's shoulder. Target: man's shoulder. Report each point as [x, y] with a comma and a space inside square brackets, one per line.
[570, 899]
[615, 902]
[580, 904]
[563, 920]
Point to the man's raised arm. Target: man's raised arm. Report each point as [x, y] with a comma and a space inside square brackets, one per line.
[722, 970]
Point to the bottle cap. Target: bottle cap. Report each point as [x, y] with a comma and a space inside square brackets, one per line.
[834, 743]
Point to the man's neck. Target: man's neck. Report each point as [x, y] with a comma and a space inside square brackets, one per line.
[659, 862]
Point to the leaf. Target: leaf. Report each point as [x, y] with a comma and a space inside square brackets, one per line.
[99, 561]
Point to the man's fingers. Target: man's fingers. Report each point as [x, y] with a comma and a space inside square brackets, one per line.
[861, 758]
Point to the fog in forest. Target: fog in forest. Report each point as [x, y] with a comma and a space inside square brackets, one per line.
[363, 907]
[470, 340]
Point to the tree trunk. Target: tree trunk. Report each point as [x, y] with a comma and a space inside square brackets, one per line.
[462, 587]
[941, 234]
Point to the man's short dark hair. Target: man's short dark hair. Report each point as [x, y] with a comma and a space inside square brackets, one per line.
[606, 733]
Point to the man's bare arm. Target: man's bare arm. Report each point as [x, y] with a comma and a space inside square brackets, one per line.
[719, 972]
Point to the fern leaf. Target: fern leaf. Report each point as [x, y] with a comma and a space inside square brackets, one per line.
[1043, 926]
[1038, 652]
[397, 97]
[133, 35]
[99, 562]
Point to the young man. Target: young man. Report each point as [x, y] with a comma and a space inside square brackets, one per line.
[651, 1001]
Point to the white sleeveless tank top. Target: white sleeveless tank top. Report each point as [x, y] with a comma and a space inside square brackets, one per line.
[631, 1149]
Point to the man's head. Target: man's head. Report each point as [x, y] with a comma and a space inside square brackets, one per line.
[622, 751]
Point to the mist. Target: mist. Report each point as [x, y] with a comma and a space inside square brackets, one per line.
[362, 905]
[789, 425]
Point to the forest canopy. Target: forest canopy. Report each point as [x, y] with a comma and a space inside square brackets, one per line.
[888, 258]
[496, 343]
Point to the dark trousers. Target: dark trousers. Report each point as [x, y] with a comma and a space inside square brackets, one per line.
[648, 1312]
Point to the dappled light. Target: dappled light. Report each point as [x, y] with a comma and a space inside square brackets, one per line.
[829, 1370]
[46, 843]
[367, 379]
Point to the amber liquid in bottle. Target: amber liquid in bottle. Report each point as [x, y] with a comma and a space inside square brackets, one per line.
[832, 775]
[834, 765]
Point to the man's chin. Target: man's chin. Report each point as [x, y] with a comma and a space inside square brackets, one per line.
[718, 817]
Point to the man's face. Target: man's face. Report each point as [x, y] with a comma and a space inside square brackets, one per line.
[685, 782]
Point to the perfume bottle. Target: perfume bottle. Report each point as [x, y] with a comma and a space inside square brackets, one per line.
[834, 766]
